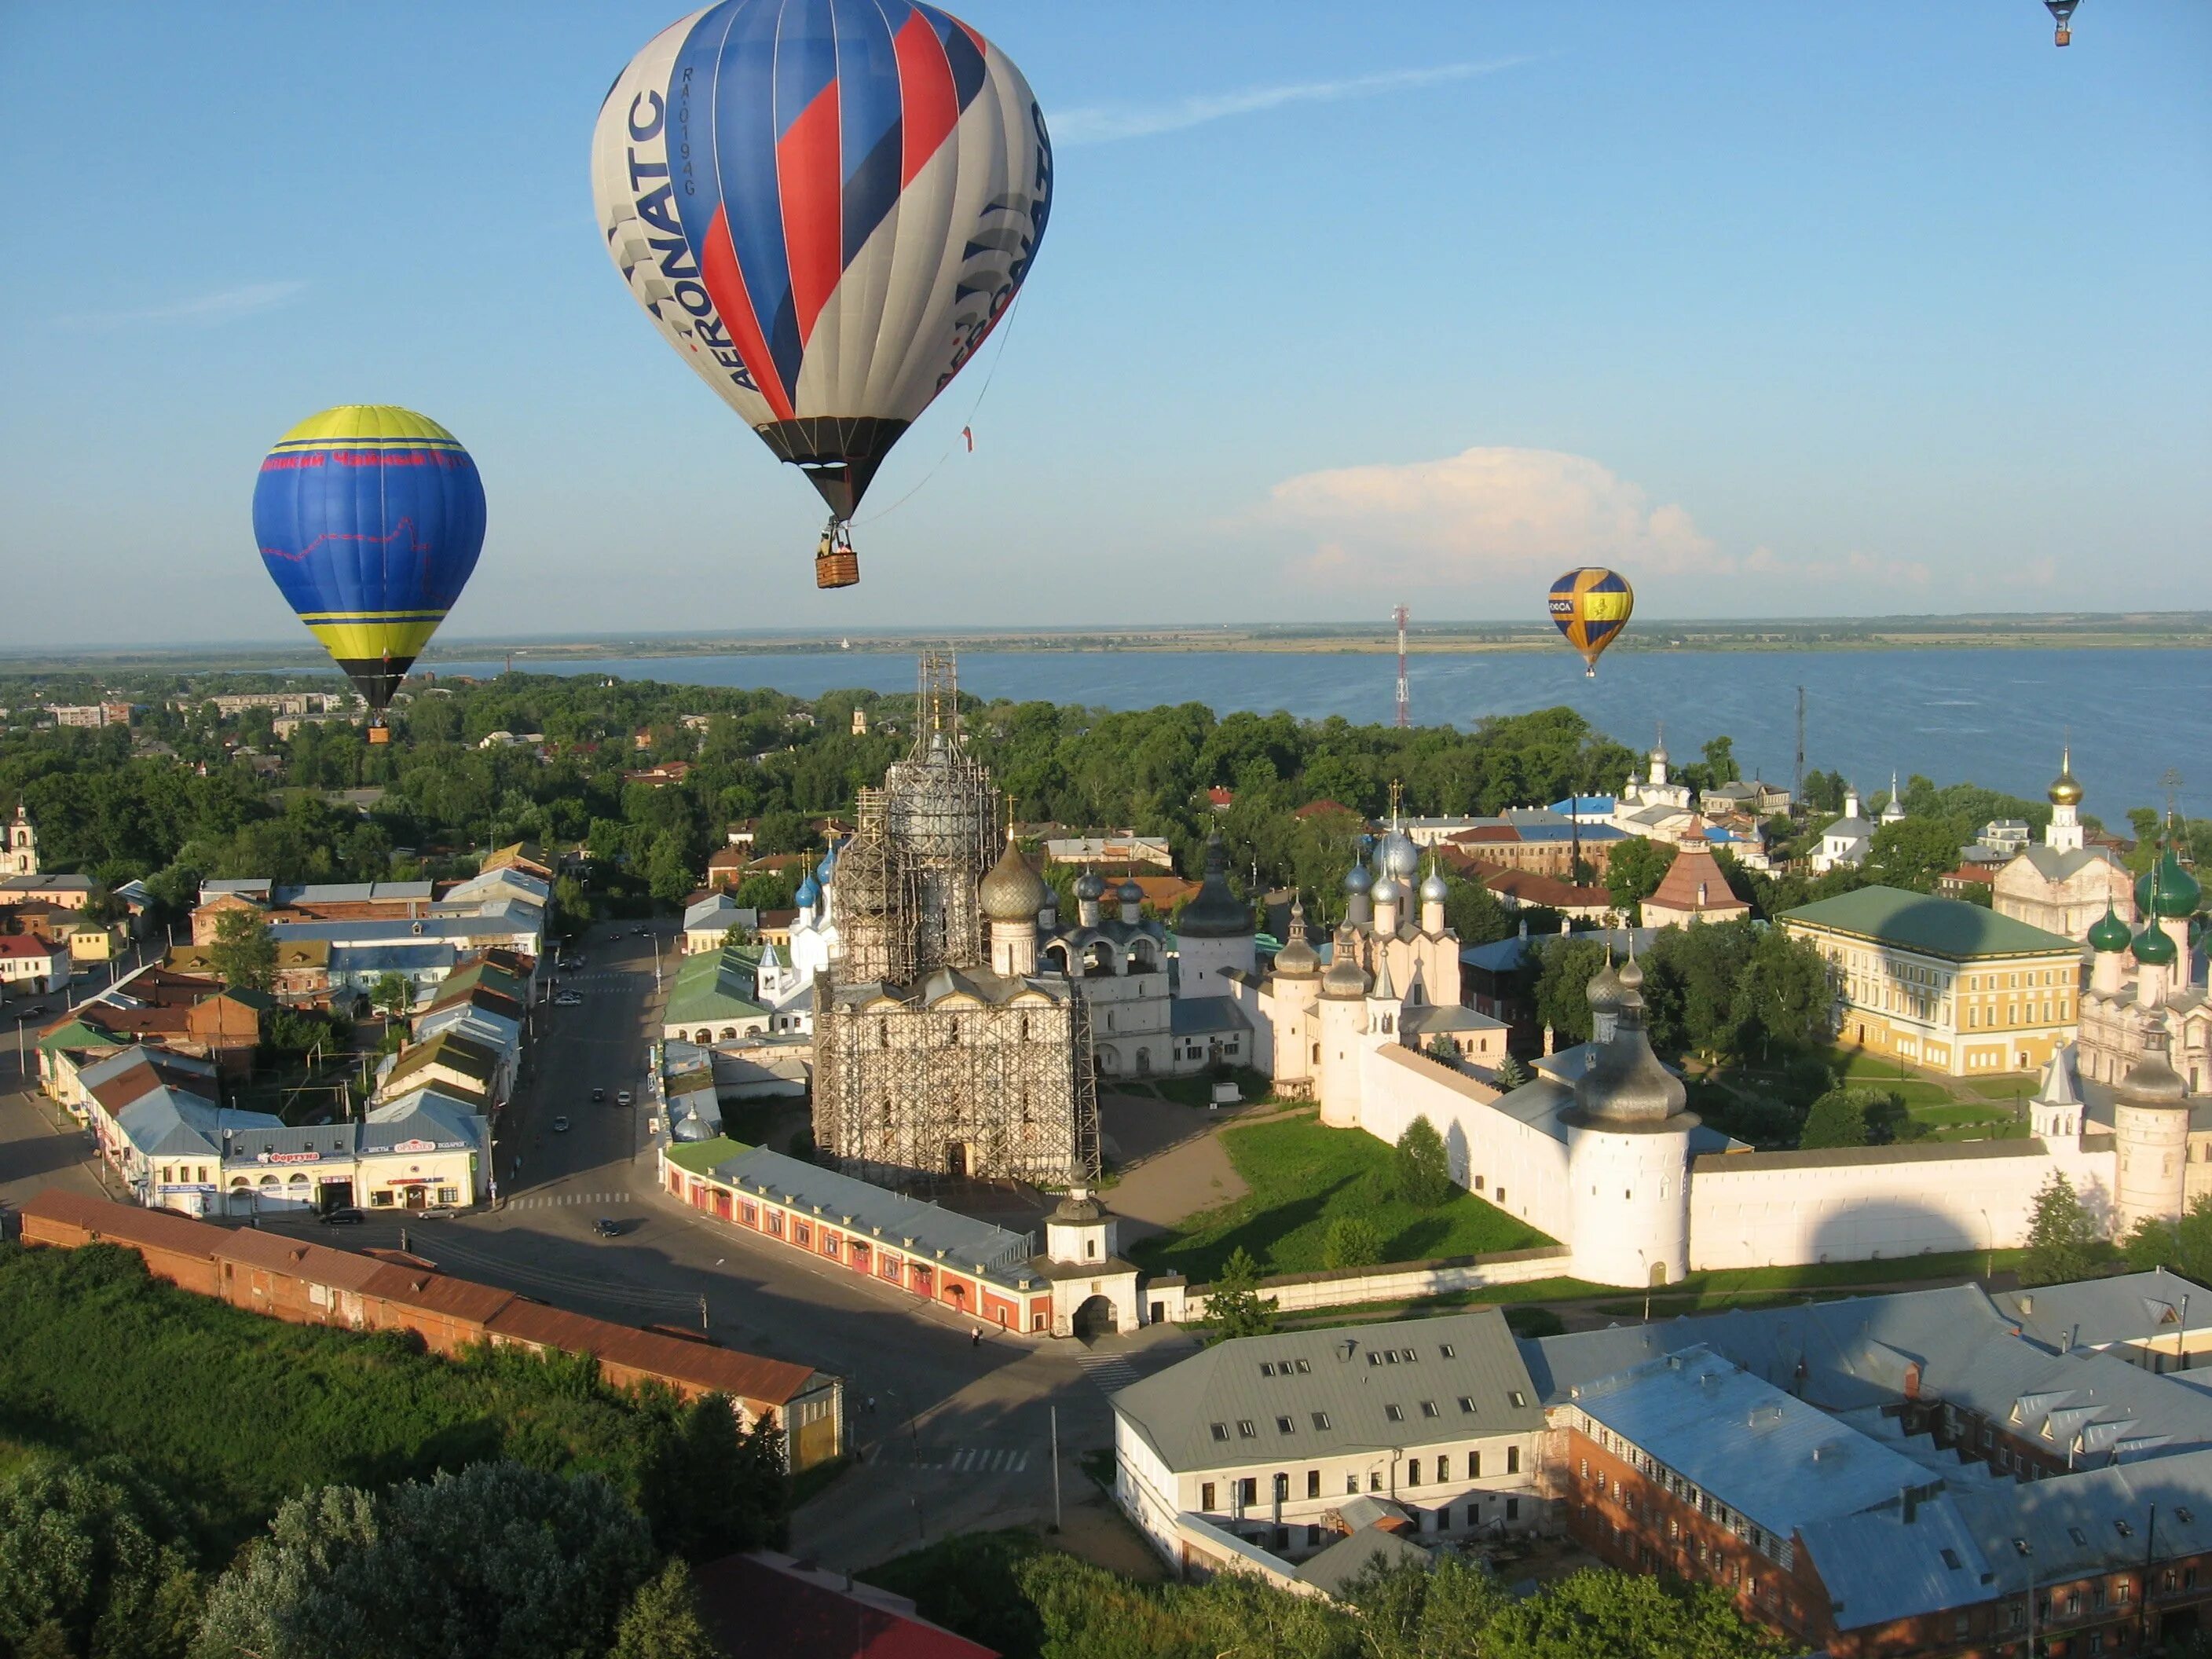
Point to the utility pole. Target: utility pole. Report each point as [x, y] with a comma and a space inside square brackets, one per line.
[1404, 696]
[1056, 1468]
[1798, 777]
[702, 1313]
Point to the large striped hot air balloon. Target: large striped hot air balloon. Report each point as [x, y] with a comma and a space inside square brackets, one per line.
[824, 206]
[370, 518]
[1590, 605]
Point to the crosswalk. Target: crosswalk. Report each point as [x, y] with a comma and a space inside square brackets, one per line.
[549, 1200]
[976, 1460]
[1108, 1370]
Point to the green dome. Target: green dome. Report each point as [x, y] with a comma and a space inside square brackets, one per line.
[2179, 894]
[2110, 932]
[2154, 949]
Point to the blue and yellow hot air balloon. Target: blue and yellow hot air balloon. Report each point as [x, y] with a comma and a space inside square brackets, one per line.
[1590, 605]
[370, 518]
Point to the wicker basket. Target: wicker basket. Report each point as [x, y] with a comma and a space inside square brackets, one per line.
[380, 734]
[837, 567]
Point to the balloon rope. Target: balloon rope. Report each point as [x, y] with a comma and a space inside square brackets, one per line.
[1004, 334]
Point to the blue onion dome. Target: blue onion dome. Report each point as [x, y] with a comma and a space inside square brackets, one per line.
[1357, 880]
[1130, 893]
[1386, 891]
[1397, 856]
[1012, 891]
[2109, 933]
[1090, 885]
[1433, 889]
[2179, 894]
[2154, 949]
[826, 872]
[809, 894]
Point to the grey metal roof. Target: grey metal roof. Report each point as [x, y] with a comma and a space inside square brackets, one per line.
[391, 958]
[1863, 1158]
[961, 1241]
[241, 884]
[164, 1122]
[162, 1060]
[401, 930]
[2046, 1515]
[248, 1144]
[1878, 1566]
[1433, 1017]
[1346, 1560]
[1202, 1016]
[2094, 1312]
[428, 1114]
[1261, 1379]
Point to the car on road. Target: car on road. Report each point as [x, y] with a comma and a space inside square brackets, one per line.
[597, 1094]
[560, 1126]
[607, 1227]
[622, 1099]
[567, 999]
[344, 1216]
[34, 1011]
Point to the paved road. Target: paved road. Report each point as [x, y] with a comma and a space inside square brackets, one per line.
[959, 1435]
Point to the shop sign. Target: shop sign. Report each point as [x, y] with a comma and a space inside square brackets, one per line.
[290, 1158]
[414, 1146]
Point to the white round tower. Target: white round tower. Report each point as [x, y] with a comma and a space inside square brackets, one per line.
[1628, 1155]
[1342, 1011]
[2150, 1132]
[1214, 933]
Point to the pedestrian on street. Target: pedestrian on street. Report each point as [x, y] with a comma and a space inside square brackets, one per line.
[975, 1336]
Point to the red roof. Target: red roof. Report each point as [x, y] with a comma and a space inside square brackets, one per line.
[23, 946]
[766, 1606]
[1488, 832]
[1693, 867]
[1220, 795]
[1531, 887]
[126, 1223]
[1316, 808]
[315, 1262]
[741, 1376]
[431, 1293]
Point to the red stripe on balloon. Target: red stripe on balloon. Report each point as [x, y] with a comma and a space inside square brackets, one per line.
[926, 95]
[726, 287]
[809, 177]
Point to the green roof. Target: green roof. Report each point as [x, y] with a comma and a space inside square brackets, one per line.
[700, 1157]
[455, 1053]
[711, 985]
[1937, 926]
[78, 1035]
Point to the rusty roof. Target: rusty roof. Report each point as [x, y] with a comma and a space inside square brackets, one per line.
[319, 1263]
[724, 1370]
[126, 1223]
[435, 1292]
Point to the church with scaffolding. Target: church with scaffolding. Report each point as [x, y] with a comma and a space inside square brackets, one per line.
[940, 1049]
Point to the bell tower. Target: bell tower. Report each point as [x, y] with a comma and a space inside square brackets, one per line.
[20, 855]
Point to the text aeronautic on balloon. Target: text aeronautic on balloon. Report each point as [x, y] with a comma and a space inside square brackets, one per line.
[824, 207]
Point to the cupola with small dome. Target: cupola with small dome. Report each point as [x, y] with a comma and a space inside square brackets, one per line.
[2108, 933]
[1012, 891]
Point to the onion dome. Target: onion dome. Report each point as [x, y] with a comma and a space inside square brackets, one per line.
[2065, 789]
[1386, 890]
[1625, 1084]
[2154, 949]
[1433, 889]
[1632, 975]
[1297, 959]
[2153, 1081]
[1605, 988]
[826, 872]
[1130, 893]
[2109, 933]
[1090, 887]
[1012, 891]
[2178, 892]
[1357, 880]
[1398, 857]
[809, 894]
[1214, 911]
[1345, 977]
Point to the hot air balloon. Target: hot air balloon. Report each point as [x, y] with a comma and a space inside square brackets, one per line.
[2062, 18]
[370, 518]
[1591, 606]
[824, 206]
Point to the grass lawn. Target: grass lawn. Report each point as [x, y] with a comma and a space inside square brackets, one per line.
[2019, 1085]
[1304, 1178]
[1942, 1116]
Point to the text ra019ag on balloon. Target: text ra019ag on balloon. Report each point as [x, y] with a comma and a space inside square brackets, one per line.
[370, 518]
[824, 207]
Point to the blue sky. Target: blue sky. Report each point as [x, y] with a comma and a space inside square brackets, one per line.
[1781, 309]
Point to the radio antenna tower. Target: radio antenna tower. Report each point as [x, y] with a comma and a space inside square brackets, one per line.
[1404, 696]
[1798, 777]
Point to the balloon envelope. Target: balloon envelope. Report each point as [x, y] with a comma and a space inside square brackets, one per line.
[824, 206]
[1590, 605]
[370, 518]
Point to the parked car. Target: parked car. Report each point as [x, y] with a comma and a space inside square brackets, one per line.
[607, 1227]
[560, 1126]
[344, 1216]
[597, 1094]
[567, 999]
[622, 1099]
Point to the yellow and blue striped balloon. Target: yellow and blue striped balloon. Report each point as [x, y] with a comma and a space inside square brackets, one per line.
[370, 518]
[1590, 605]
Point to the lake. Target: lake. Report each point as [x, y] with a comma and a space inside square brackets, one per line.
[1995, 717]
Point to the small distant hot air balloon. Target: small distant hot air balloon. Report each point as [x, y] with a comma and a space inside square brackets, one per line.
[370, 518]
[1591, 606]
[2062, 17]
[824, 207]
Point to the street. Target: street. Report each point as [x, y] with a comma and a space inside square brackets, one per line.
[959, 1435]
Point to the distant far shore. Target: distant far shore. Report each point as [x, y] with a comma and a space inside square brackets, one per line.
[2015, 631]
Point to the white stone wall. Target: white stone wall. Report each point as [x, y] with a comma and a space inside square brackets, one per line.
[1491, 1152]
[1860, 1210]
[1297, 1293]
[1631, 1203]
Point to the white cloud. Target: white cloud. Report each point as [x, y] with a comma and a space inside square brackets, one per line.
[1105, 123]
[202, 311]
[1482, 514]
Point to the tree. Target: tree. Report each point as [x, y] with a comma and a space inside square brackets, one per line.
[1472, 911]
[391, 995]
[243, 954]
[572, 904]
[2062, 1238]
[1634, 871]
[1353, 1240]
[1441, 1049]
[1420, 1170]
[94, 1561]
[497, 1559]
[1565, 966]
[708, 1488]
[2183, 1245]
[663, 1620]
[1513, 1073]
[1838, 1118]
[1234, 1306]
[1913, 853]
[1626, 1616]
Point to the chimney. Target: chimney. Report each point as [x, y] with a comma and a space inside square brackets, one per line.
[1910, 1503]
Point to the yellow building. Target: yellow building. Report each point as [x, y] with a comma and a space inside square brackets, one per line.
[1942, 983]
